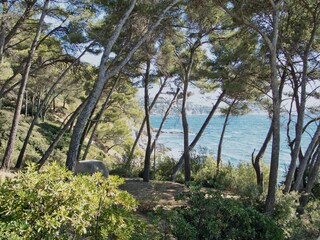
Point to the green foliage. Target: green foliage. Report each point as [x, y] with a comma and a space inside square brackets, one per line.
[240, 179]
[55, 204]
[164, 168]
[304, 226]
[210, 216]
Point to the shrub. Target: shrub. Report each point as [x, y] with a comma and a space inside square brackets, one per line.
[210, 216]
[305, 226]
[239, 179]
[55, 204]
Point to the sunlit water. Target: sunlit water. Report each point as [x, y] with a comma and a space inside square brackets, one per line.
[243, 135]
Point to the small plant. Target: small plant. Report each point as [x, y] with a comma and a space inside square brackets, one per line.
[55, 204]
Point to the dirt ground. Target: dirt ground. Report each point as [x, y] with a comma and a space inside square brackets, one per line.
[154, 193]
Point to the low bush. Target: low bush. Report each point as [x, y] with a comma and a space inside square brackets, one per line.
[210, 216]
[240, 179]
[55, 204]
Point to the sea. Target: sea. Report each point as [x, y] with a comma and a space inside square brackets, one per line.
[243, 135]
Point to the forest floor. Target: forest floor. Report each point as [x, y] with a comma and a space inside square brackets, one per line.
[154, 194]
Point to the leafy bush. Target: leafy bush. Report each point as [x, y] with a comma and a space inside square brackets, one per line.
[240, 179]
[55, 204]
[210, 216]
[305, 226]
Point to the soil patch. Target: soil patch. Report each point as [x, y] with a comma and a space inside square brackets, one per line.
[154, 194]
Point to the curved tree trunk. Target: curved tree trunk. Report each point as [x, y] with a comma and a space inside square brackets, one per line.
[164, 119]
[256, 160]
[41, 107]
[301, 111]
[104, 75]
[96, 91]
[226, 120]
[102, 110]
[179, 164]
[16, 118]
[60, 134]
[306, 157]
[128, 163]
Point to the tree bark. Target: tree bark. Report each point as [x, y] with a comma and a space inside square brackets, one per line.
[222, 135]
[60, 134]
[256, 160]
[13, 132]
[301, 110]
[128, 163]
[307, 155]
[7, 37]
[102, 110]
[314, 172]
[179, 164]
[104, 76]
[276, 100]
[164, 119]
[147, 157]
[41, 107]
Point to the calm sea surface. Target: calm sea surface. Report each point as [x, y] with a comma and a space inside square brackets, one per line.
[243, 135]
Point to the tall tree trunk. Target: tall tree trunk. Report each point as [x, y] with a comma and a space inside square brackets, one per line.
[96, 91]
[179, 164]
[3, 28]
[42, 106]
[13, 132]
[164, 119]
[26, 105]
[60, 134]
[256, 160]
[186, 150]
[102, 110]
[276, 101]
[304, 162]
[301, 109]
[104, 75]
[128, 163]
[226, 120]
[147, 157]
[314, 172]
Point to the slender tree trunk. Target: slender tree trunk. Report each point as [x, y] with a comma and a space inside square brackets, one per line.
[314, 172]
[128, 163]
[256, 160]
[16, 118]
[3, 28]
[60, 134]
[104, 76]
[6, 37]
[304, 162]
[102, 110]
[186, 151]
[276, 100]
[96, 91]
[164, 119]
[26, 105]
[226, 120]
[301, 111]
[179, 164]
[147, 158]
[42, 106]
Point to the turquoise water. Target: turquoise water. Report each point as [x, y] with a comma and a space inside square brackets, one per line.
[243, 135]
